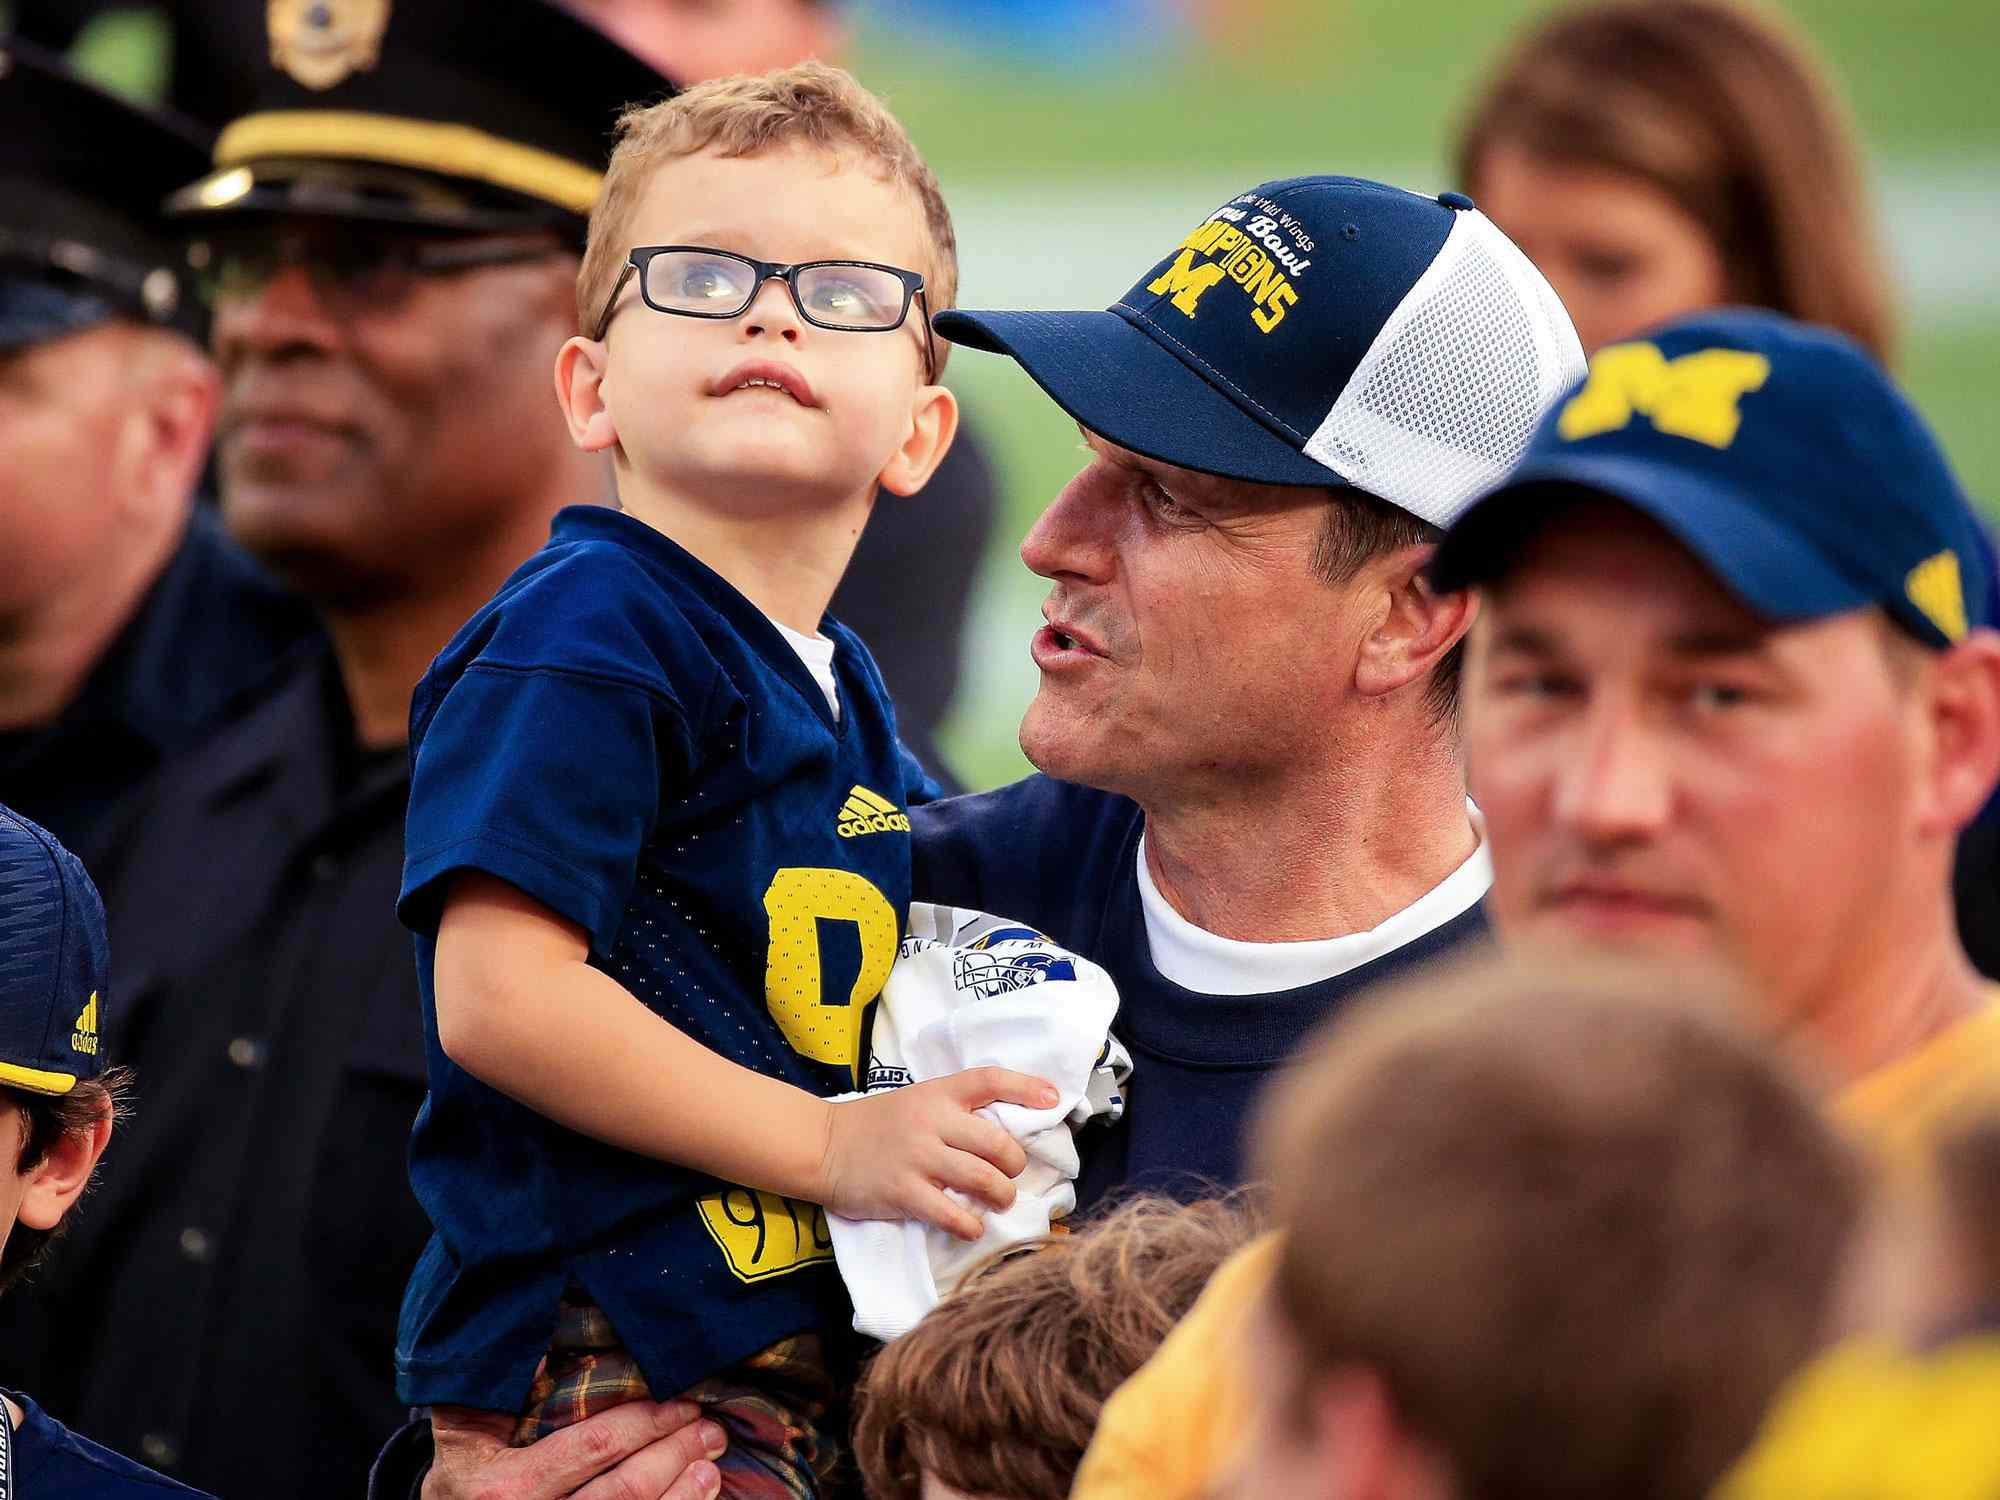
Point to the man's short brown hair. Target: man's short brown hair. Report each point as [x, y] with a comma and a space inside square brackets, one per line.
[1581, 1234]
[44, 1120]
[811, 104]
[998, 1390]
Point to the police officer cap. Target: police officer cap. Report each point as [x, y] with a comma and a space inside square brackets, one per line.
[431, 113]
[82, 175]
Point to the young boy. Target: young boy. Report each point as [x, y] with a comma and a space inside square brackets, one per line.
[657, 861]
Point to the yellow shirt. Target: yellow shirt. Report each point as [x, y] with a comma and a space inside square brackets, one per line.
[1173, 1430]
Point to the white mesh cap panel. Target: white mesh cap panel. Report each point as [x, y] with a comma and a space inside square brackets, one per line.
[1444, 402]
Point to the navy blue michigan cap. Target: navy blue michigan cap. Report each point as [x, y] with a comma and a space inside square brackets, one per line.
[1778, 453]
[434, 113]
[1322, 331]
[53, 962]
[82, 175]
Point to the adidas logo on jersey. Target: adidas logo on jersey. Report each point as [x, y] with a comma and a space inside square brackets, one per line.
[864, 812]
[84, 1037]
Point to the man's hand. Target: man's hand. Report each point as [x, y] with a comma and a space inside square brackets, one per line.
[892, 1155]
[643, 1450]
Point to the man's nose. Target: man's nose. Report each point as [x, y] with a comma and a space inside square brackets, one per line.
[1071, 538]
[1618, 786]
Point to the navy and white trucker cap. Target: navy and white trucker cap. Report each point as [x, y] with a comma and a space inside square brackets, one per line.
[1779, 454]
[1321, 331]
[53, 962]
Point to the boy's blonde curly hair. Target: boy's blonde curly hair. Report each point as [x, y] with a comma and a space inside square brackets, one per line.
[811, 104]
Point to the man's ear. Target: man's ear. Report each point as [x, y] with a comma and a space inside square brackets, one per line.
[169, 418]
[933, 424]
[1370, 1453]
[1415, 625]
[1962, 699]
[59, 1178]
[580, 372]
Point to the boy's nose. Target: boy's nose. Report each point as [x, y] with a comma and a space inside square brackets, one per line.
[772, 311]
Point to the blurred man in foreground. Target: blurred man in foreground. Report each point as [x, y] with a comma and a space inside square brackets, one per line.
[1544, 1239]
[130, 627]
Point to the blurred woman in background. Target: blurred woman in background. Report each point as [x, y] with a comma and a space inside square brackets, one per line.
[1654, 157]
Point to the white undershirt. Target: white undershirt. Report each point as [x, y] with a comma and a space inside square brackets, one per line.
[816, 651]
[1199, 960]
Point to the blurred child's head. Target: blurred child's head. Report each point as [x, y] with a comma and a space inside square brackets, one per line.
[1551, 1237]
[997, 1391]
[787, 167]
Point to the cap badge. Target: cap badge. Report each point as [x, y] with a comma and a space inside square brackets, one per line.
[1694, 396]
[1935, 587]
[321, 42]
[84, 1037]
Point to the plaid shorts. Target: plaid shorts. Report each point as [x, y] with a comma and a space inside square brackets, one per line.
[775, 1405]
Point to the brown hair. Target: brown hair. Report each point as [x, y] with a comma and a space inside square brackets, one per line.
[45, 1120]
[1727, 112]
[811, 104]
[997, 1391]
[1580, 1234]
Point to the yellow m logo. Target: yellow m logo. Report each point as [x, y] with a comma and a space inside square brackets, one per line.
[1186, 281]
[1694, 396]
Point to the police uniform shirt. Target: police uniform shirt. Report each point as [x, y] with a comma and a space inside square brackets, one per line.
[211, 632]
[1064, 859]
[626, 738]
[223, 1303]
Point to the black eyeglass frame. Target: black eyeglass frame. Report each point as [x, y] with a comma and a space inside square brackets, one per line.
[640, 256]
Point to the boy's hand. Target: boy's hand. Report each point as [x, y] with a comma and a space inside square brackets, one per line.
[892, 1155]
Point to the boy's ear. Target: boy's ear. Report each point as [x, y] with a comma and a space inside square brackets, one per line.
[55, 1182]
[933, 424]
[580, 370]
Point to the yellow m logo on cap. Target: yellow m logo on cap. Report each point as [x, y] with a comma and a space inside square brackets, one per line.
[1936, 587]
[1694, 396]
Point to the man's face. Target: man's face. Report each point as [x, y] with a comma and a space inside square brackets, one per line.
[1188, 641]
[62, 406]
[826, 408]
[371, 427]
[693, 40]
[1661, 769]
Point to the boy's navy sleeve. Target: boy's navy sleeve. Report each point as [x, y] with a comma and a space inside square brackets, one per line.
[549, 779]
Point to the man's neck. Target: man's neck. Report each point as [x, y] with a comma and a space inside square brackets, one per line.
[49, 650]
[14, 1413]
[785, 561]
[1887, 1005]
[385, 646]
[1338, 851]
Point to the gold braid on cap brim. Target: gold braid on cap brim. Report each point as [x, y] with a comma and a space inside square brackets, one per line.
[422, 145]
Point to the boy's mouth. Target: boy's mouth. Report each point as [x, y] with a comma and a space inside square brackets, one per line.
[765, 375]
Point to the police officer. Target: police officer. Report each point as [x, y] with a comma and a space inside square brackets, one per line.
[390, 231]
[129, 625]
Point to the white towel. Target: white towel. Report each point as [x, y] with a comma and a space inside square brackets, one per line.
[970, 990]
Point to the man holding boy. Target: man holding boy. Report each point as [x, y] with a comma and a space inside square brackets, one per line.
[656, 811]
[1252, 803]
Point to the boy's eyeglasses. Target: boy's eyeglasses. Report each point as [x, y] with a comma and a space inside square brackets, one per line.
[848, 296]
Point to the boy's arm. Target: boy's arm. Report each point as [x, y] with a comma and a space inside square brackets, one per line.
[519, 1007]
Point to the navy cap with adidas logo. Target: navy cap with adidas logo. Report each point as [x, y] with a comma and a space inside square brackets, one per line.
[1323, 331]
[54, 961]
[1779, 454]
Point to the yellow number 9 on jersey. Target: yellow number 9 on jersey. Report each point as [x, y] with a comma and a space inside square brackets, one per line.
[823, 1027]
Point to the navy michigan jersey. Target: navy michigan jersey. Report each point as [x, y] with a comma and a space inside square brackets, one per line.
[627, 739]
